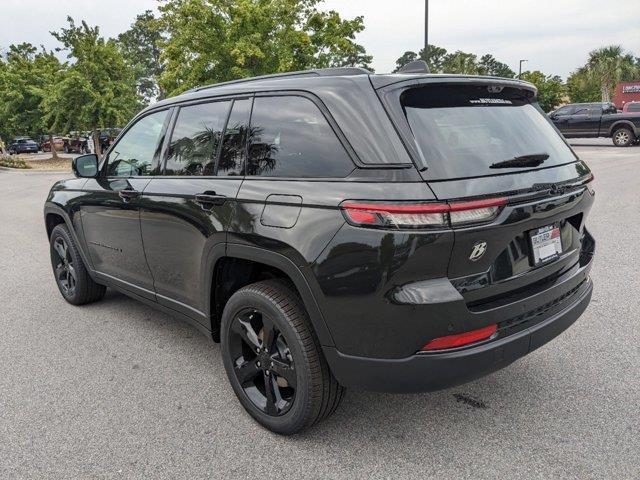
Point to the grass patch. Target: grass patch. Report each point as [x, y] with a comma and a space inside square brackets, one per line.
[13, 162]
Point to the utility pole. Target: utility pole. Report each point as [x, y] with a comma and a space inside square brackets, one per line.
[520, 69]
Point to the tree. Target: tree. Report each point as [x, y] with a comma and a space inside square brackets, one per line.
[610, 65]
[216, 40]
[551, 90]
[582, 88]
[488, 65]
[461, 62]
[434, 57]
[140, 47]
[24, 80]
[97, 90]
[440, 61]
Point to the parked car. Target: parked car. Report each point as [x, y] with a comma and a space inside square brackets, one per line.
[58, 143]
[76, 145]
[22, 145]
[631, 107]
[334, 228]
[584, 120]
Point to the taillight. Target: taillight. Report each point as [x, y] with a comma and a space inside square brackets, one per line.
[422, 215]
[460, 339]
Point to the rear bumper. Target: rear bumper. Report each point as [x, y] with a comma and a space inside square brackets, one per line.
[435, 371]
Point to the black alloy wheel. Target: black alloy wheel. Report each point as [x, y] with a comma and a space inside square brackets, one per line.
[263, 364]
[64, 268]
[73, 280]
[273, 359]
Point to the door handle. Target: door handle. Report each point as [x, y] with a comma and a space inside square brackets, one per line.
[128, 194]
[208, 200]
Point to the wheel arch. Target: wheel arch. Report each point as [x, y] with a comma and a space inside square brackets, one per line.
[55, 215]
[623, 124]
[267, 262]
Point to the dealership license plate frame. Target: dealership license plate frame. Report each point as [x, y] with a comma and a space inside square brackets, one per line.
[546, 244]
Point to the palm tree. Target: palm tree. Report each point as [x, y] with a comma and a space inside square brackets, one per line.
[610, 65]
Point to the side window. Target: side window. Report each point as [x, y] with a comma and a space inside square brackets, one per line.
[634, 107]
[290, 137]
[234, 143]
[565, 111]
[195, 139]
[581, 111]
[596, 110]
[136, 152]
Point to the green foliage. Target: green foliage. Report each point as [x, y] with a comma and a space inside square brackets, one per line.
[609, 65]
[582, 88]
[551, 90]
[210, 41]
[97, 89]
[140, 47]
[459, 62]
[25, 78]
[12, 162]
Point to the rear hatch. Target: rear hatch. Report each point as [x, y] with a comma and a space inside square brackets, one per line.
[475, 139]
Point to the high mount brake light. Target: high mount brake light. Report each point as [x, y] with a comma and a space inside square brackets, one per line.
[421, 215]
[460, 339]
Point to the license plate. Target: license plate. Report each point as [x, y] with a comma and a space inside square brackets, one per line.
[546, 244]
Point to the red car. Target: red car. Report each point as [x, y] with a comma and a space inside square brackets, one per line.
[58, 144]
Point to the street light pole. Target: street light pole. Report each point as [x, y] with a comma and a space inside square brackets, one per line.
[520, 69]
[426, 24]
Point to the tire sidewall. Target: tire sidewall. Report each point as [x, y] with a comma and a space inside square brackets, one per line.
[298, 413]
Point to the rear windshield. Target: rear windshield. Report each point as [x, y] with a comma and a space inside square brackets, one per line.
[466, 131]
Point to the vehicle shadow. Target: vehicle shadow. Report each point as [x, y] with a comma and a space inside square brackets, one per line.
[380, 420]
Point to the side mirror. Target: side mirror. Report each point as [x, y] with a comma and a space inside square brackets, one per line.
[85, 166]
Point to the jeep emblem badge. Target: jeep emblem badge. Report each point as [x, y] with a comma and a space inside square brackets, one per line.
[478, 251]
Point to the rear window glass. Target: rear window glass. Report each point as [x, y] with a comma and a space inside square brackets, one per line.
[290, 137]
[467, 131]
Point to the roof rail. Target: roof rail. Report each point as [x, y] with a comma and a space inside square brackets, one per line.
[319, 72]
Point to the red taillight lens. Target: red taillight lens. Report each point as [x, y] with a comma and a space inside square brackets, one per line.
[460, 339]
[420, 215]
[396, 215]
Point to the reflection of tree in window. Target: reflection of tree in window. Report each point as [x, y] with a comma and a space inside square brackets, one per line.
[195, 139]
[290, 137]
[233, 146]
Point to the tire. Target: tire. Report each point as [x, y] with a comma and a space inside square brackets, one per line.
[623, 137]
[72, 278]
[303, 389]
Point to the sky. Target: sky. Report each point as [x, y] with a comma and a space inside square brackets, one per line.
[555, 36]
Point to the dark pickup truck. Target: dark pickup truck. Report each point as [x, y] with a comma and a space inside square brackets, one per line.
[597, 120]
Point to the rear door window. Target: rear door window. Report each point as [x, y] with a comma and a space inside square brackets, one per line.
[290, 137]
[196, 138]
[465, 131]
[234, 145]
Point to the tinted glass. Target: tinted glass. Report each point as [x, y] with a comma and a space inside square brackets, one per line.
[233, 148]
[582, 111]
[565, 111]
[196, 138]
[462, 131]
[135, 153]
[289, 137]
[634, 107]
[596, 110]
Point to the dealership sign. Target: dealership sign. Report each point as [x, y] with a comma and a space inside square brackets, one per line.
[631, 88]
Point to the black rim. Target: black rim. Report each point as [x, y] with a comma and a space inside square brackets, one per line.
[262, 362]
[63, 265]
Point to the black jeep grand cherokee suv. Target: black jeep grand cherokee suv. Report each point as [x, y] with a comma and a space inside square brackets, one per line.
[332, 228]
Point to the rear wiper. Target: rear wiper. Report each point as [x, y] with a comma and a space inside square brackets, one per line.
[522, 161]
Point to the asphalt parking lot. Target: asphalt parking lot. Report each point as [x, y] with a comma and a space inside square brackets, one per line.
[119, 390]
